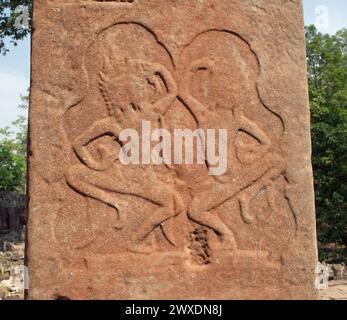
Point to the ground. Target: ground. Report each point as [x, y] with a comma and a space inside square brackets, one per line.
[12, 266]
[12, 272]
[337, 291]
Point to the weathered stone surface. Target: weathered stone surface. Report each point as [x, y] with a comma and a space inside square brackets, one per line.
[101, 230]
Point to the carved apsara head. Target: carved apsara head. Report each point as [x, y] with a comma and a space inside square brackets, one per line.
[128, 83]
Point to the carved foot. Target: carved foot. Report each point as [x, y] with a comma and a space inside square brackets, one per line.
[121, 222]
[141, 247]
[245, 201]
[228, 241]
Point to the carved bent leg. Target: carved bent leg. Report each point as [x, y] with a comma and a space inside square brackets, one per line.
[252, 179]
[198, 213]
[276, 167]
[248, 195]
[104, 186]
[171, 206]
[76, 179]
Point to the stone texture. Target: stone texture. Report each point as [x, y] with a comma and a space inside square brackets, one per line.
[102, 230]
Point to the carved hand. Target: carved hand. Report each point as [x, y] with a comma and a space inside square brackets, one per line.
[106, 160]
[245, 152]
[157, 74]
[107, 157]
[199, 110]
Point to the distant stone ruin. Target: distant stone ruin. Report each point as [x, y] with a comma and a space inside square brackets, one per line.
[12, 211]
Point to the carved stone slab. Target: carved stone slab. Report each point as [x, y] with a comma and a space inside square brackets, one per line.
[99, 229]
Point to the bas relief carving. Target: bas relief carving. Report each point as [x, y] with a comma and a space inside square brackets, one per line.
[214, 79]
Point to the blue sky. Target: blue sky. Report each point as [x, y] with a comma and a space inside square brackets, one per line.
[15, 66]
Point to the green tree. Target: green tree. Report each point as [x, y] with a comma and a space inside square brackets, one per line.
[10, 12]
[327, 74]
[13, 146]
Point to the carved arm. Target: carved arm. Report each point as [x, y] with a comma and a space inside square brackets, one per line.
[254, 130]
[99, 129]
[162, 105]
[196, 107]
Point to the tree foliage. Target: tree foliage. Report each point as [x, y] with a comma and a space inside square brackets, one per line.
[13, 146]
[327, 74]
[10, 10]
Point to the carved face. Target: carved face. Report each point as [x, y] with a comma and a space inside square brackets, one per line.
[135, 89]
[128, 91]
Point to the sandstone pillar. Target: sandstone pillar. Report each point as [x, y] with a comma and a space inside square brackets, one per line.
[100, 229]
